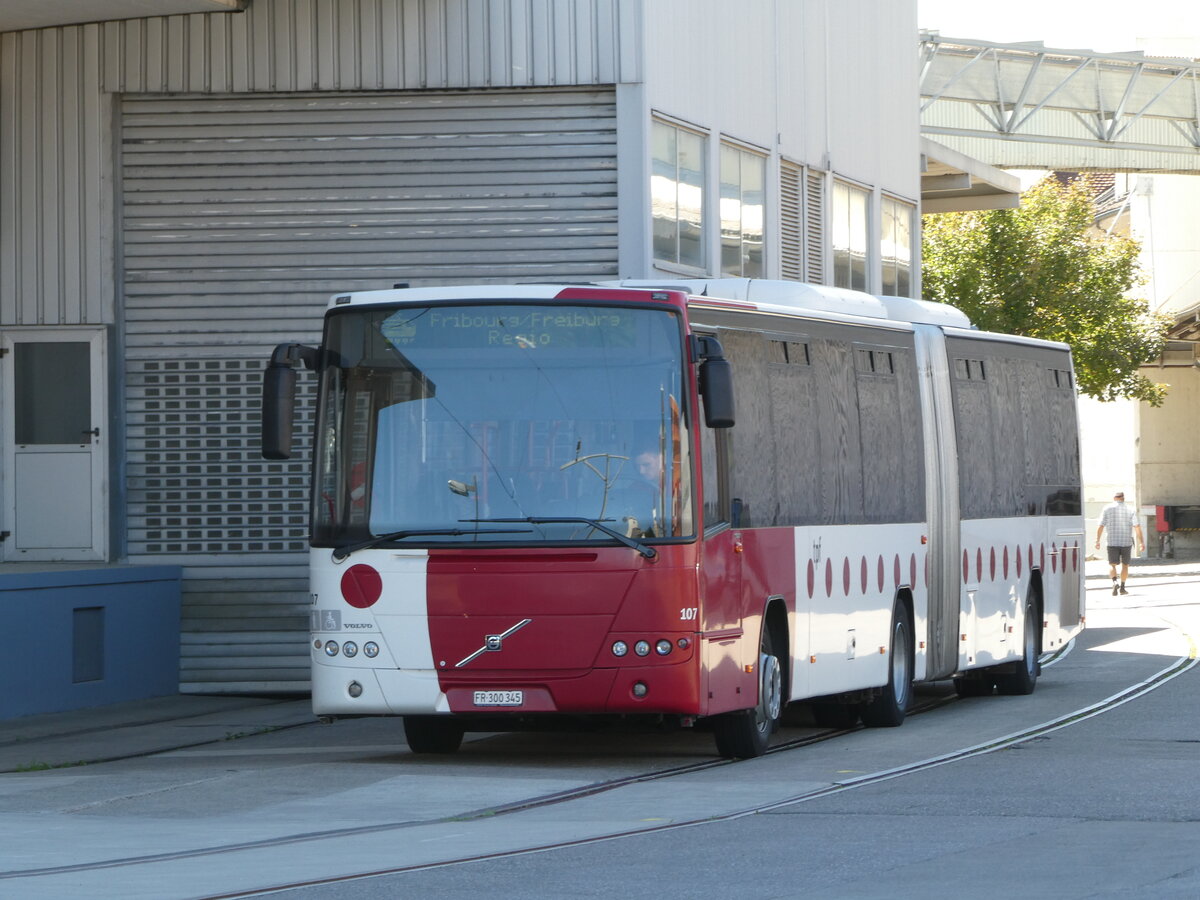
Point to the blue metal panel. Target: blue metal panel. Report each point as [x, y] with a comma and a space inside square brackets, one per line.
[125, 646]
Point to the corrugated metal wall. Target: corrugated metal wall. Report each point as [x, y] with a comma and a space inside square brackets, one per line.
[201, 315]
[55, 180]
[56, 87]
[242, 215]
[346, 45]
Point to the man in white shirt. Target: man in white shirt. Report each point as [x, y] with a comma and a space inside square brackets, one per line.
[1122, 526]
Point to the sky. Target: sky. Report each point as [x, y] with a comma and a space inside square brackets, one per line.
[1159, 27]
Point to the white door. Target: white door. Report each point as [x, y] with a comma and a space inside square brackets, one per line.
[55, 438]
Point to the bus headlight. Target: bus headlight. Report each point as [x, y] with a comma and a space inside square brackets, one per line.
[642, 648]
[662, 648]
[331, 648]
[350, 649]
[620, 648]
[370, 649]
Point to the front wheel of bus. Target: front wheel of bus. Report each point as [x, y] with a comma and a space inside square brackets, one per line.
[432, 734]
[746, 733]
[889, 708]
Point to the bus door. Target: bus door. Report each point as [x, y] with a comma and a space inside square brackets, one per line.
[721, 579]
[721, 586]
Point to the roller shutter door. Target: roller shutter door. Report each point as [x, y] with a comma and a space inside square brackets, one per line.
[241, 215]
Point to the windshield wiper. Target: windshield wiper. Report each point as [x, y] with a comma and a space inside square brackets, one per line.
[340, 553]
[640, 546]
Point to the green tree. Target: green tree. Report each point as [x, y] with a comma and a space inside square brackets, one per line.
[1044, 271]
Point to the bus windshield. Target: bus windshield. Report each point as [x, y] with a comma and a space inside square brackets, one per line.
[444, 424]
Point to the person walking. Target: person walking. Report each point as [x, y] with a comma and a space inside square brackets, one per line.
[1122, 526]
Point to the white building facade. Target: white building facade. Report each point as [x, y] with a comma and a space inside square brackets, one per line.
[178, 194]
[1161, 459]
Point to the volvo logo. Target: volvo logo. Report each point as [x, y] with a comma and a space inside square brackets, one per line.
[492, 643]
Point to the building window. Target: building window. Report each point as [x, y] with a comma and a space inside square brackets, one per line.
[895, 246]
[743, 200]
[849, 236]
[677, 196]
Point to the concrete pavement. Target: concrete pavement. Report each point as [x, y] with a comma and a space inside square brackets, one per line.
[81, 736]
[122, 730]
[306, 805]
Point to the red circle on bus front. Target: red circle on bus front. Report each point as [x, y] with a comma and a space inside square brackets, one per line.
[846, 577]
[992, 564]
[811, 579]
[828, 577]
[912, 570]
[361, 586]
[864, 575]
[881, 576]
[1018, 559]
[1005, 562]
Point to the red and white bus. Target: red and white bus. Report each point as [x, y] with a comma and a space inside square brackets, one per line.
[687, 500]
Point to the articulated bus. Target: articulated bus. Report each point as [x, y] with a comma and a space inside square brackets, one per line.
[688, 501]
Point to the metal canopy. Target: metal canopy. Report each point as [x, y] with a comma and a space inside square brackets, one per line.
[1023, 105]
[18, 15]
[954, 182]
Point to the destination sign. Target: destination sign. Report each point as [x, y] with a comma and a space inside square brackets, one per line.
[522, 327]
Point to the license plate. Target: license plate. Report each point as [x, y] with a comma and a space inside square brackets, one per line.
[499, 698]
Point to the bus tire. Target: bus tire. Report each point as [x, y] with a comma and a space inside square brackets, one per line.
[746, 733]
[1024, 679]
[432, 734]
[889, 708]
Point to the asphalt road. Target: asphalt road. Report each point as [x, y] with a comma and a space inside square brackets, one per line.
[1105, 807]
[1087, 788]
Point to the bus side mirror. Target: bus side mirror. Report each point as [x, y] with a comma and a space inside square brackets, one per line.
[716, 384]
[278, 410]
[279, 398]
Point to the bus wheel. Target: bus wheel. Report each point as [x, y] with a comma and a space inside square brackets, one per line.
[1024, 679]
[889, 708]
[432, 734]
[746, 733]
